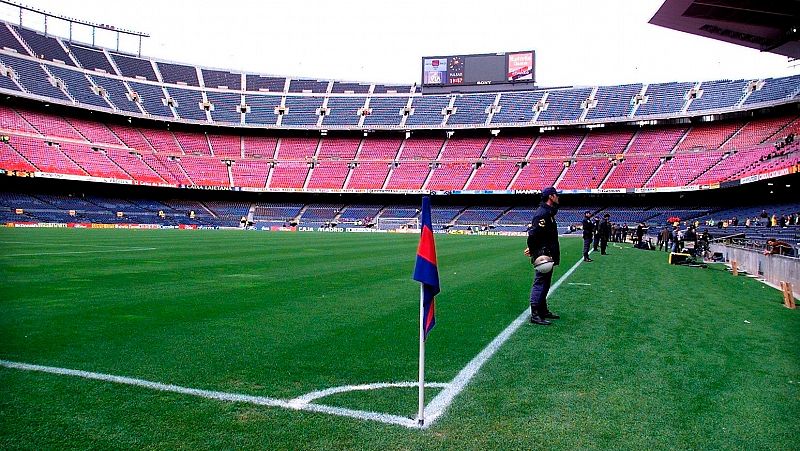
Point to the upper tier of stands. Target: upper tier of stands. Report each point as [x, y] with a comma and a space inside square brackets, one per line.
[47, 67]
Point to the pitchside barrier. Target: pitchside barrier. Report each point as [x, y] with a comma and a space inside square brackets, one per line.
[777, 270]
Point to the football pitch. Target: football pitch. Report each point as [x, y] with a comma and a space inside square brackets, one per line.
[165, 339]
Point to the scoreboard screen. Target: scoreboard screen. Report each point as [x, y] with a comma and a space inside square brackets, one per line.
[483, 69]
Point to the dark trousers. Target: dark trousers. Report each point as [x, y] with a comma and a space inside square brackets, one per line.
[539, 290]
[603, 245]
[587, 242]
[596, 241]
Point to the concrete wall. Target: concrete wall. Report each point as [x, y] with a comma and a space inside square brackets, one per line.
[773, 268]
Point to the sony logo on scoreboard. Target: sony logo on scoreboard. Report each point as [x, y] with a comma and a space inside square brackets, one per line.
[484, 82]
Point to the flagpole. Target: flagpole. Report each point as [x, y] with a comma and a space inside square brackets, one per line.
[421, 414]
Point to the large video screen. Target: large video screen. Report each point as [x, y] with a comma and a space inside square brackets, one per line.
[481, 69]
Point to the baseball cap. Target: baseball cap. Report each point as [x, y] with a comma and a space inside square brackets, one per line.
[548, 191]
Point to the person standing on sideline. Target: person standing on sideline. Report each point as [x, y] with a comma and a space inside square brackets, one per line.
[596, 224]
[605, 233]
[543, 240]
[588, 231]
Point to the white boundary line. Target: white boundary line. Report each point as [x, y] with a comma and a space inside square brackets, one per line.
[433, 411]
[124, 249]
[442, 401]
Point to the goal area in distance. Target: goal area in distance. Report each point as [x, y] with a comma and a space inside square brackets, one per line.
[397, 223]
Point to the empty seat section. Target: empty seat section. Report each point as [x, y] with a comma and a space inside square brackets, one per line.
[94, 161]
[33, 78]
[289, 174]
[117, 93]
[368, 175]
[262, 109]
[342, 87]
[163, 141]
[585, 174]
[132, 138]
[188, 103]
[95, 132]
[133, 67]
[408, 175]
[379, 149]
[317, 86]
[343, 111]
[229, 146]
[264, 83]
[427, 110]
[538, 174]
[259, 146]
[178, 73]
[78, 86]
[656, 142]
[302, 111]
[11, 160]
[338, 149]
[9, 41]
[664, 98]
[775, 89]
[708, 136]
[193, 143]
[683, 168]
[614, 101]
[556, 145]
[133, 164]
[90, 58]
[12, 120]
[250, 173]
[632, 172]
[225, 106]
[44, 47]
[152, 99]
[206, 171]
[719, 94]
[565, 105]
[51, 125]
[605, 143]
[222, 79]
[297, 148]
[46, 157]
[463, 148]
[328, 174]
[509, 147]
[385, 111]
[421, 149]
[517, 107]
[450, 176]
[471, 109]
[493, 175]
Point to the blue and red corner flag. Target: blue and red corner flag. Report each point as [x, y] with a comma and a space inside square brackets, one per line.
[426, 272]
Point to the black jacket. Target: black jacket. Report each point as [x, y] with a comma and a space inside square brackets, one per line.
[588, 228]
[543, 234]
[604, 230]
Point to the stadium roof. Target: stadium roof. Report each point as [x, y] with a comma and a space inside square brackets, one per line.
[766, 25]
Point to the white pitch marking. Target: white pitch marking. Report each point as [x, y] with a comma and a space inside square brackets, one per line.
[442, 401]
[580, 283]
[57, 244]
[300, 403]
[433, 411]
[131, 249]
[309, 397]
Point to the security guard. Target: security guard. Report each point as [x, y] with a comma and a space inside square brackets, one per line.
[605, 233]
[543, 240]
[588, 231]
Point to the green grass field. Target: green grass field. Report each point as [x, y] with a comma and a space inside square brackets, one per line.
[645, 355]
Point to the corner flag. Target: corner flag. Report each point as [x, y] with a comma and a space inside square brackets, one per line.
[426, 272]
